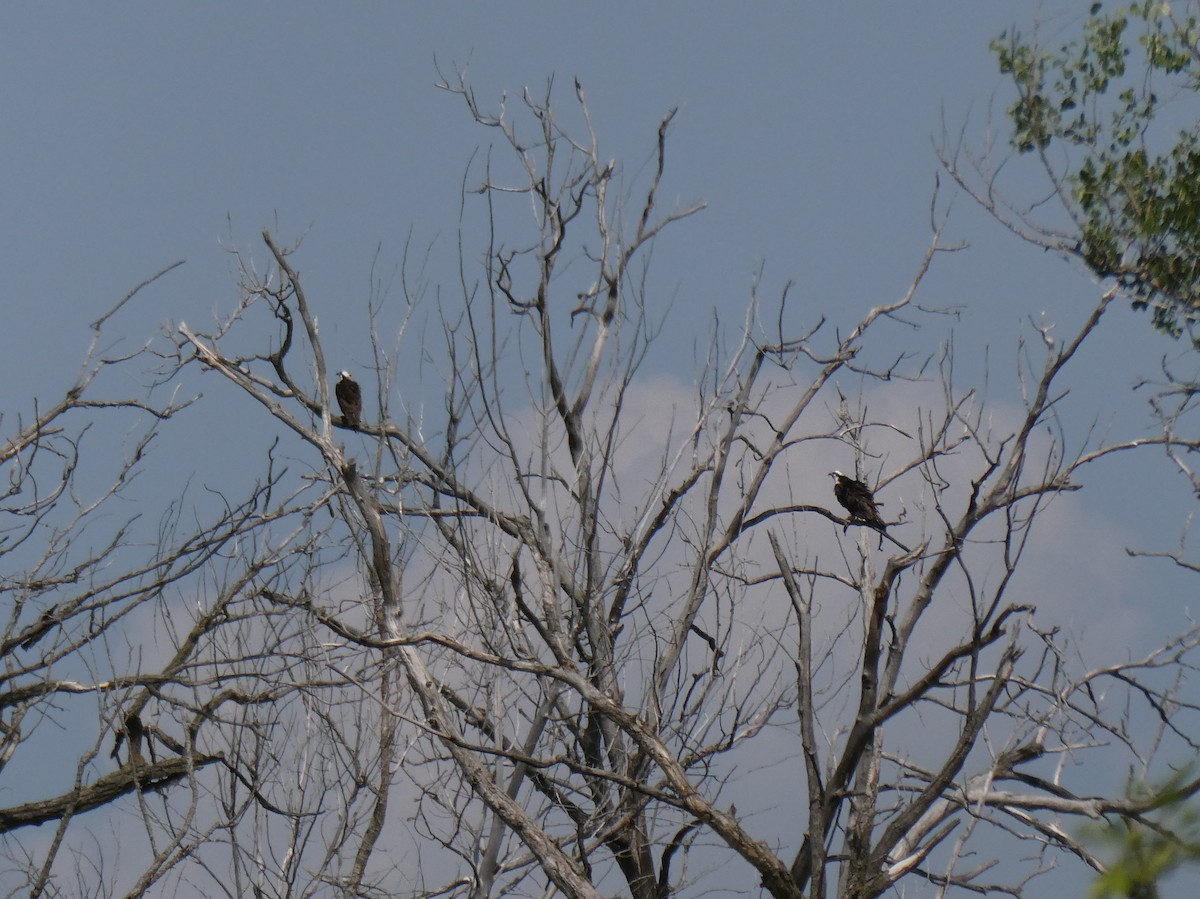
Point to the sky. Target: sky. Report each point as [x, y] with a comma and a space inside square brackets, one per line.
[134, 139]
[133, 135]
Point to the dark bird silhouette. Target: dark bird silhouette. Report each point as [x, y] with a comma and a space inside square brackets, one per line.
[133, 731]
[349, 397]
[857, 499]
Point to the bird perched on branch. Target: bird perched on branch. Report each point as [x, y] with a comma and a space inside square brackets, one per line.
[133, 731]
[857, 499]
[349, 397]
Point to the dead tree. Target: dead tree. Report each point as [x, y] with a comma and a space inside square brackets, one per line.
[578, 590]
[568, 624]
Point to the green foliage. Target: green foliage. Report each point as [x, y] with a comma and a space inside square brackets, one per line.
[1132, 189]
[1147, 848]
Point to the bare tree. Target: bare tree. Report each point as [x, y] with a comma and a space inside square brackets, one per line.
[79, 589]
[568, 626]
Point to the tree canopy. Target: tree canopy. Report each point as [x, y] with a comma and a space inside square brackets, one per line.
[1111, 116]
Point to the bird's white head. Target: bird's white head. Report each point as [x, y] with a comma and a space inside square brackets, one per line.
[836, 474]
[345, 375]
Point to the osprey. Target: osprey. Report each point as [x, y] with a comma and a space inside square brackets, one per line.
[133, 731]
[857, 499]
[349, 397]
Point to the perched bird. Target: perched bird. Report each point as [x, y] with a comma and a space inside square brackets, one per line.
[133, 731]
[349, 397]
[857, 499]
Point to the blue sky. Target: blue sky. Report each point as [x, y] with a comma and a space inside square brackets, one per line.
[138, 134]
[133, 132]
[133, 135]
